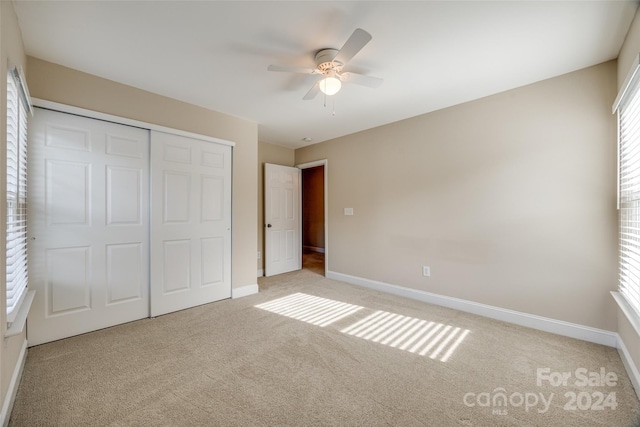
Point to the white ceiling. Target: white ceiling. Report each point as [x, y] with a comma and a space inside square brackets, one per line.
[431, 54]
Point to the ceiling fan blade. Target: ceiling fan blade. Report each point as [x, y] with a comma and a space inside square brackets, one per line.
[361, 79]
[356, 42]
[292, 69]
[315, 89]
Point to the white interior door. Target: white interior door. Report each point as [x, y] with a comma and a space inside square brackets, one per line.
[88, 224]
[191, 222]
[282, 206]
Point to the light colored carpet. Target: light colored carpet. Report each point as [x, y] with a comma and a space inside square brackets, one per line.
[259, 361]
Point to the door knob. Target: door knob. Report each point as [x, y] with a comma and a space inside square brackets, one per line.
[268, 225]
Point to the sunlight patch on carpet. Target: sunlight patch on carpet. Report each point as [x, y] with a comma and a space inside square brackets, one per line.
[417, 336]
[436, 340]
[310, 309]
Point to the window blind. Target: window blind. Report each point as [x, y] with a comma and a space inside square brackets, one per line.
[16, 238]
[629, 192]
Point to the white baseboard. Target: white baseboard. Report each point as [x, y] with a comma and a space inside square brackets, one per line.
[314, 249]
[629, 365]
[560, 327]
[10, 398]
[260, 273]
[244, 291]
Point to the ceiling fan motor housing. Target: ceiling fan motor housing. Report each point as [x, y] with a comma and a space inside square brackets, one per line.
[325, 63]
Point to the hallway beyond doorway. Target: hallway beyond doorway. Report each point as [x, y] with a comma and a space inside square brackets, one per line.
[313, 261]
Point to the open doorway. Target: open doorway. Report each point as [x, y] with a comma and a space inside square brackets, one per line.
[313, 218]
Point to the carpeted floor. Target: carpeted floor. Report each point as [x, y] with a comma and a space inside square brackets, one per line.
[309, 351]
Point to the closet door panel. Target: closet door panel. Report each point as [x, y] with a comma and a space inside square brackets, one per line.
[88, 222]
[191, 222]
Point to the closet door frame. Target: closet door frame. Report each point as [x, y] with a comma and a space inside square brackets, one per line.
[62, 108]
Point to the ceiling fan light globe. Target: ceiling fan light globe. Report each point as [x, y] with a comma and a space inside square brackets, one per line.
[330, 85]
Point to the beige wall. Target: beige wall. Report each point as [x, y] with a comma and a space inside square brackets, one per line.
[12, 51]
[277, 155]
[630, 338]
[64, 85]
[629, 50]
[510, 199]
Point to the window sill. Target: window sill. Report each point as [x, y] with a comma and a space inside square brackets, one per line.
[18, 325]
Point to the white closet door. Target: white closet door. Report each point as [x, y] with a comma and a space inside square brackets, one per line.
[191, 222]
[88, 225]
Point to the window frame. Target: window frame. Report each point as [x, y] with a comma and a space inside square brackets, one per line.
[627, 107]
[16, 270]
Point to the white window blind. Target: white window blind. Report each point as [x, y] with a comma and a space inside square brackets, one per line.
[16, 239]
[628, 109]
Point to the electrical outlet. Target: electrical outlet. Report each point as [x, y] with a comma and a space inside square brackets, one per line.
[426, 271]
[259, 254]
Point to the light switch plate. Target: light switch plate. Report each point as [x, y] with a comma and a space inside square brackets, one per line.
[348, 211]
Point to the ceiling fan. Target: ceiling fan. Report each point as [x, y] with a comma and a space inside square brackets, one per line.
[329, 66]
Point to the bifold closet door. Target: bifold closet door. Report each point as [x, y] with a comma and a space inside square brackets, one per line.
[191, 222]
[88, 221]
